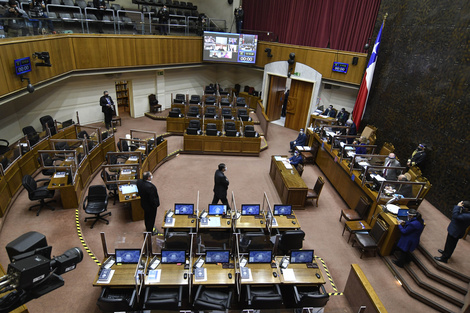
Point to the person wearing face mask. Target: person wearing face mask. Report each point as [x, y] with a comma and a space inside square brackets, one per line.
[300, 141]
[417, 156]
[164, 16]
[220, 186]
[391, 173]
[296, 159]
[149, 201]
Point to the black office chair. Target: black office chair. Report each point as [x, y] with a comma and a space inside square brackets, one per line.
[112, 188]
[31, 134]
[47, 122]
[48, 161]
[250, 131]
[372, 239]
[38, 193]
[310, 296]
[194, 127]
[210, 101]
[227, 113]
[225, 102]
[117, 299]
[212, 299]
[290, 239]
[96, 203]
[61, 145]
[157, 298]
[175, 112]
[243, 115]
[241, 102]
[193, 111]
[153, 103]
[209, 90]
[231, 129]
[4, 146]
[83, 135]
[178, 240]
[263, 297]
[104, 135]
[255, 241]
[195, 99]
[179, 98]
[211, 112]
[211, 130]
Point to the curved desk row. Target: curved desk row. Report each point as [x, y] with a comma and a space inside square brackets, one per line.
[222, 144]
[180, 124]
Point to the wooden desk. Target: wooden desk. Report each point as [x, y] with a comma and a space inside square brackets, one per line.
[289, 185]
[250, 222]
[170, 275]
[285, 223]
[133, 198]
[123, 276]
[222, 144]
[180, 222]
[175, 124]
[262, 274]
[225, 223]
[303, 274]
[68, 196]
[321, 119]
[216, 275]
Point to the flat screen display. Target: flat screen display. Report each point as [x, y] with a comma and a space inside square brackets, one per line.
[301, 256]
[259, 256]
[23, 66]
[184, 209]
[250, 209]
[340, 67]
[280, 209]
[217, 209]
[218, 256]
[173, 256]
[127, 256]
[230, 47]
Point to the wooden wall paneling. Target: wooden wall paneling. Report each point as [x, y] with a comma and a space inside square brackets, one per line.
[5, 195]
[90, 52]
[152, 160]
[28, 163]
[13, 176]
[84, 172]
[10, 53]
[4, 88]
[62, 55]
[96, 159]
[121, 52]
[146, 51]
[162, 151]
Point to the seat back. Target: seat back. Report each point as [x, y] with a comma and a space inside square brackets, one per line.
[83, 134]
[311, 296]
[179, 98]
[210, 100]
[224, 101]
[250, 131]
[153, 99]
[29, 184]
[116, 299]
[193, 111]
[291, 239]
[178, 240]
[254, 240]
[211, 111]
[362, 206]
[29, 131]
[195, 124]
[125, 146]
[227, 112]
[62, 145]
[319, 185]
[97, 193]
[175, 112]
[195, 99]
[230, 129]
[211, 129]
[377, 232]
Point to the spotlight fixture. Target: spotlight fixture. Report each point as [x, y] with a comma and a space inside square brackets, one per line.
[29, 87]
[367, 45]
[268, 50]
[43, 56]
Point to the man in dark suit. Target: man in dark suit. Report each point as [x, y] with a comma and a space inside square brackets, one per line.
[458, 224]
[410, 233]
[406, 190]
[296, 159]
[107, 107]
[220, 186]
[149, 200]
[163, 16]
[342, 117]
[300, 141]
[100, 5]
[417, 156]
[391, 173]
[330, 112]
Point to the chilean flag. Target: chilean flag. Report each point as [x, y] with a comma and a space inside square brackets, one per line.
[363, 95]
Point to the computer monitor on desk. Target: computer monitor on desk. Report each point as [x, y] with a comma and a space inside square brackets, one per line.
[217, 209]
[259, 256]
[301, 256]
[217, 256]
[250, 209]
[173, 256]
[127, 256]
[184, 209]
[280, 209]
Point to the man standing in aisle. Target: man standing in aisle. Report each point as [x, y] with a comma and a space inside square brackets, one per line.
[149, 200]
[107, 107]
[220, 186]
[239, 19]
[163, 17]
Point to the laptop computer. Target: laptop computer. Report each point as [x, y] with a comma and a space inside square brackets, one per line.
[127, 256]
[280, 209]
[303, 257]
[173, 256]
[251, 209]
[184, 209]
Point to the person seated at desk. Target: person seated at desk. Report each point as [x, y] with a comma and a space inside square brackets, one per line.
[405, 190]
[362, 142]
[330, 112]
[300, 141]
[342, 116]
[391, 174]
[410, 234]
[296, 159]
[352, 130]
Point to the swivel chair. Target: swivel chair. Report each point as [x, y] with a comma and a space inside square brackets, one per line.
[179, 98]
[194, 127]
[212, 299]
[195, 99]
[254, 241]
[47, 122]
[31, 134]
[38, 193]
[290, 239]
[230, 129]
[153, 103]
[250, 131]
[241, 102]
[193, 111]
[211, 112]
[211, 130]
[263, 297]
[5, 147]
[175, 112]
[243, 115]
[225, 102]
[96, 203]
[227, 113]
[157, 298]
[116, 299]
[310, 296]
[210, 101]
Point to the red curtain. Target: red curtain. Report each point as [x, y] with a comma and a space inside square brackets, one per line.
[335, 24]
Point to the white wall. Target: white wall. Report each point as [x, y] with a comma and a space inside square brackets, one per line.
[339, 97]
[81, 94]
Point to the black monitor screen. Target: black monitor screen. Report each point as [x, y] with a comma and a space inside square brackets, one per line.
[250, 209]
[173, 256]
[229, 47]
[184, 209]
[259, 256]
[301, 256]
[217, 209]
[280, 209]
[127, 256]
[218, 256]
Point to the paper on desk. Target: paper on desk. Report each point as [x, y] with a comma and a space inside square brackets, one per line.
[300, 148]
[133, 158]
[126, 172]
[153, 276]
[351, 153]
[278, 158]
[307, 148]
[107, 281]
[288, 274]
[125, 189]
[316, 113]
[364, 164]
[379, 178]
[287, 165]
[329, 133]
[169, 224]
[59, 175]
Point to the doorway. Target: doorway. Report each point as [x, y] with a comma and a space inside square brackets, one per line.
[277, 87]
[124, 98]
[298, 106]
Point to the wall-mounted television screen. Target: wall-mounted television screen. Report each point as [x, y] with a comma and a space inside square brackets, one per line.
[22, 66]
[229, 47]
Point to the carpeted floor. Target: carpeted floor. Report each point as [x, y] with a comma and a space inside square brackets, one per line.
[180, 180]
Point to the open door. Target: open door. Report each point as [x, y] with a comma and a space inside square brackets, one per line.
[298, 104]
[277, 86]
